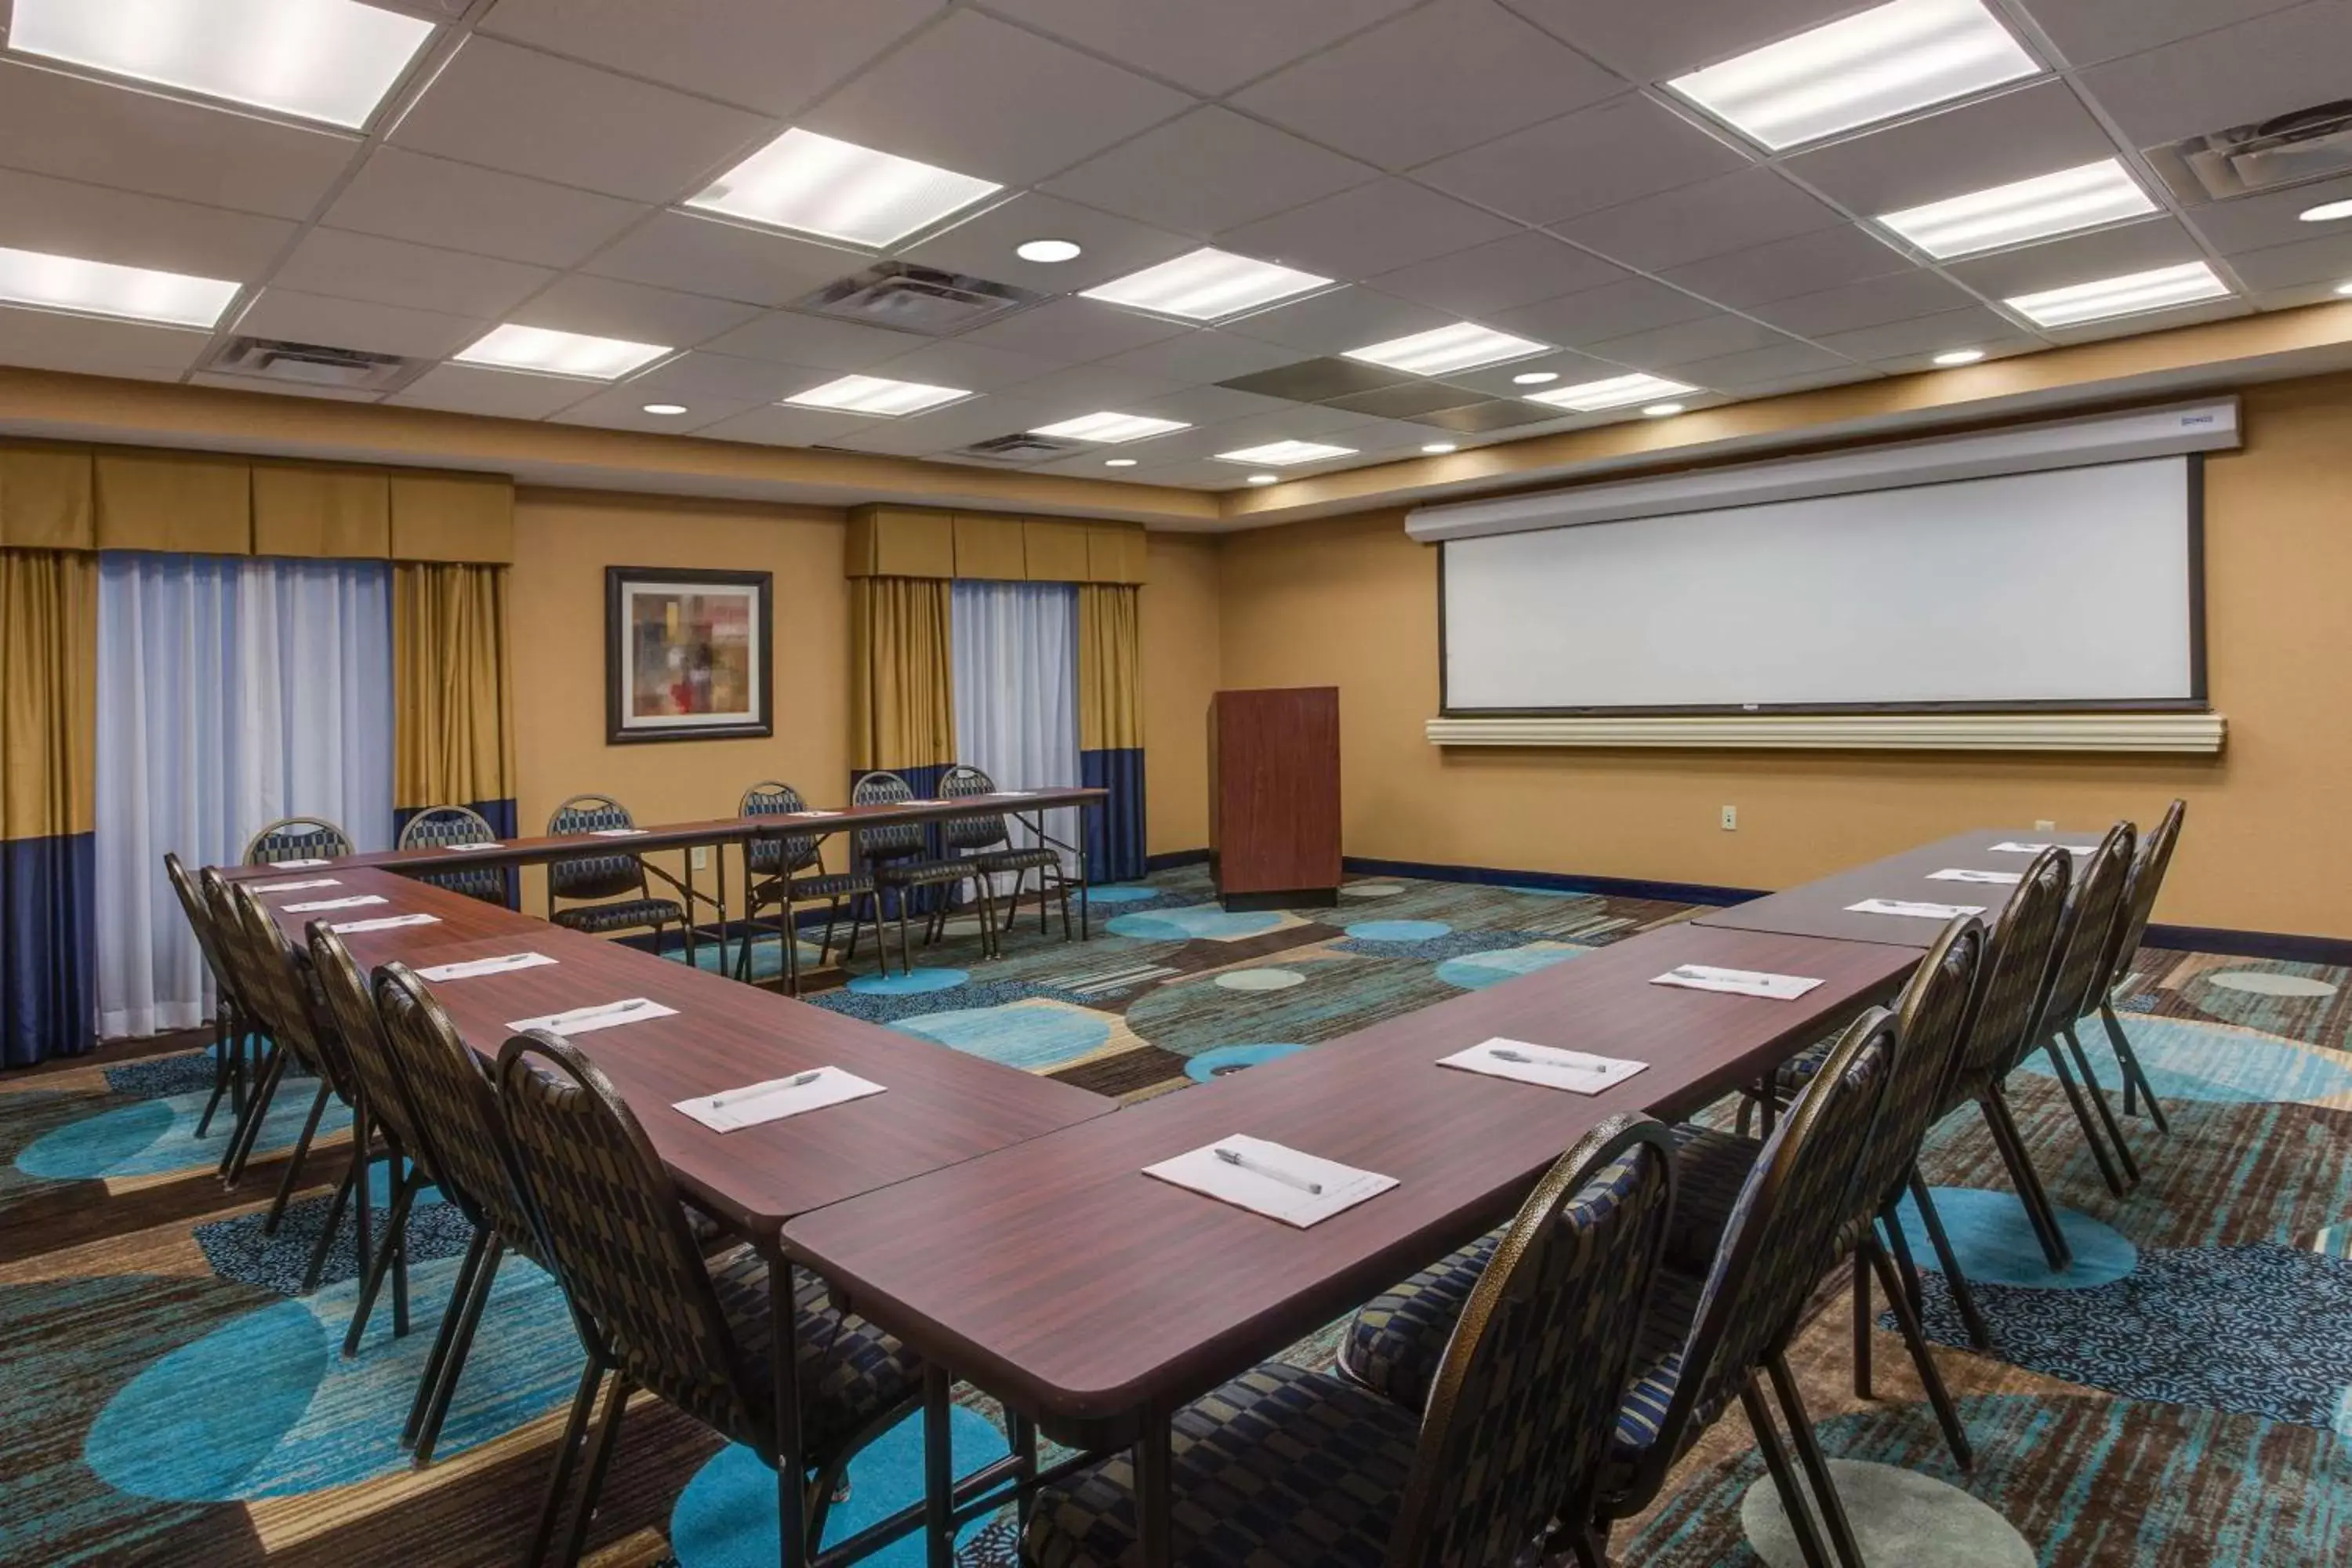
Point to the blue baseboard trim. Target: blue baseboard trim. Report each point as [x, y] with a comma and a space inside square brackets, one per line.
[1554, 881]
[2230, 944]
[1176, 858]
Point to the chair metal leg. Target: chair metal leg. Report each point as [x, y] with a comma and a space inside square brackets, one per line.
[906, 957]
[1962, 1296]
[287, 1184]
[1898, 1241]
[1863, 1324]
[354, 1175]
[363, 1199]
[1939, 1398]
[436, 1410]
[2086, 1118]
[459, 1294]
[248, 1126]
[1793, 1501]
[2098, 1098]
[1816, 1467]
[599, 1460]
[2039, 1209]
[1588, 1550]
[2133, 1072]
[396, 1223]
[567, 1451]
[223, 1070]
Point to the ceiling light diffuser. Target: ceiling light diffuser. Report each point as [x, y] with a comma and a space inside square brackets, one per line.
[2327, 211]
[1959, 356]
[1661, 410]
[2344, 290]
[1534, 378]
[1264, 479]
[332, 60]
[666, 410]
[1282, 454]
[1591, 397]
[551, 353]
[837, 189]
[876, 395]
[1889, 60]
[1462, 346]
[2159, 289]
[102, 289]
[1207, 285]
[1112, 428]
[1048, 250]
[1439, 448]
[2027, 210]
[1118, 462]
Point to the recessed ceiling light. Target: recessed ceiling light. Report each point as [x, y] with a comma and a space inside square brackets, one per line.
[1112, 428]
[1534, 377]
[1891, 59]
[1206, 285]
[1459, 347]
[2032, 209]
[2159, 289]
[551, 353]
[1439, 448]
[876, 395]
[2325, 212]
[102, 289]
[1048, 250]
[818, 186]
[2345, 288]
[666, 409]
[1590, 397]
[1282, 454]
[1661, 410]
[1118, 462]
[317, 59]
[1959, 356]
[1264, 479]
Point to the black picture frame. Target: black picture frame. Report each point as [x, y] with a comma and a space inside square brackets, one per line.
[623, 726]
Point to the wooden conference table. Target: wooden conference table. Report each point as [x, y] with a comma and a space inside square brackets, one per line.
[1821, 909]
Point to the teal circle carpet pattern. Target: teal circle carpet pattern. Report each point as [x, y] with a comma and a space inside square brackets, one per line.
[1995, 1243]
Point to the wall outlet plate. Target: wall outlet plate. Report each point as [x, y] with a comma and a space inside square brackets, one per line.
[1730, 819]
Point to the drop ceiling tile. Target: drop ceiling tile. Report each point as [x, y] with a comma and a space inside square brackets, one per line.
[944, 430]
[1610, 312]
[1342, 319]
[623, 408]
[2255, 223]
[497, 393]
[1072, 331]
[1825, 259]
[1496, 413]
[52, 124]
[1196, 475]
[1385, 440]
[1410, 402]
[1085, 389]
[280, 388]
[1927, 335]
[2323, 260]
[2153, 322]
[1203, 355]
[1444, 77]
[2286, 60]
[2295, 296]
[1500, 274]
[986, 99]
[1779, 363]
[406, 195]
[1320, 380]
[1897, 297]
[769, 55]
[2108, 253]
[530, 113]
[1598, 157]
[2037, 129]
[1110, 246]
[67, 218]
[777, 426]
[788, 338]
[1568, 369]
[688, 377]
[1661, 38]
[724, 260]
[1924, 361]
[2088, 31]
[607, 308]
[1708, 337]
[1730, 212]
[42, 340]
[1370, 228]
[1210, 170]
[1812, 383]
[1202, 406]
[959, 361]
[393, 272]
[1208, 47]
[293, 317]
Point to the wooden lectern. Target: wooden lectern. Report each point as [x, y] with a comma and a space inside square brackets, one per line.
[1274, 797]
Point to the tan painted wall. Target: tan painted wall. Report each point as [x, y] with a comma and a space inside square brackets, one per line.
[1352, 602]
[1180, 665]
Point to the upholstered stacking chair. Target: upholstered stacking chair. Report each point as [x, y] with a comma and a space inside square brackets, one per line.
[231, 1065]
[609, 893]
[445, 826]
[784, 870]
[695, 1332]
[901, 861]
[2078, 981]
[2154, 859]
[296, 839]
[987, 843]
[1508, 1424]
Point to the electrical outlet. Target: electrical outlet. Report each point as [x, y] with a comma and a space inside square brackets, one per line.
[2045, 825]
[1730, 819]
[699, 856]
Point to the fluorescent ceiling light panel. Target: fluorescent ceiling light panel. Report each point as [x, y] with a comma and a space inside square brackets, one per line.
[1461, 346]
[1891, 60]
[1112, 428]
[1207, 285]
[875, 394]
[315, 60]
[102, 289]
[837, 189]
[2032, 209]
[551, 353]
[1617, 391]
[2159, 290]
[1282, 454]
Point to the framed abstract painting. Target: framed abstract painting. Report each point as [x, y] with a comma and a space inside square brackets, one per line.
[687, 654]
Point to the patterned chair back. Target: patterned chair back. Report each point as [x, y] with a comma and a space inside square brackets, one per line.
[1520, 1414]
[2139, 903]
[790, 854]
[2017, 962]
[439, 826]
[617, 1237]
[296, 839]
[452, 1096]
[200, 920]
[900, 843]
[355, 1018]
[962, 834]
[593, 876]
[274, 982]
[2081, 976]
[1930, 1017]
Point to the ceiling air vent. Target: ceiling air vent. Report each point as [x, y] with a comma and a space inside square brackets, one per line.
[910, 299]
[1023, 448]
[313, 364]
[2308, 144]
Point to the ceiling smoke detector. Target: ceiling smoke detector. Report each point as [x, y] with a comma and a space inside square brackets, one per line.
[313, 364]
[2313, 143]
[906, 298]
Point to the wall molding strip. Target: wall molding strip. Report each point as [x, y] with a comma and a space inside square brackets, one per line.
[2195, 734]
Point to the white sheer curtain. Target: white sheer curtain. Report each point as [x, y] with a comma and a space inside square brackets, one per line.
[1015, 655]
[231, 691]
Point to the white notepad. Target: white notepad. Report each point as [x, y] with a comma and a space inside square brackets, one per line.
[386, 922]
[2017, 847]
[778, 1098]
[470, 848]
[1738, 982]
[1578, 1072]
[357, 900]
[603, 1015]
[615, 832]
[1273, 1180]
[817, 814]
[1014, 794]
[306, 865]
[473, 967]
[1914, 911]
[1991, 878]
[294, 886]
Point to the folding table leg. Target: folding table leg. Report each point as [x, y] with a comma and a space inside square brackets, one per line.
[791, 1500]
[939, 1471]
[1154, 1504]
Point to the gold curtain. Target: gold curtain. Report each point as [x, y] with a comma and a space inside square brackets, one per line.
[901, 692]
[453, 687]
[48, 679]
[1110, 667]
